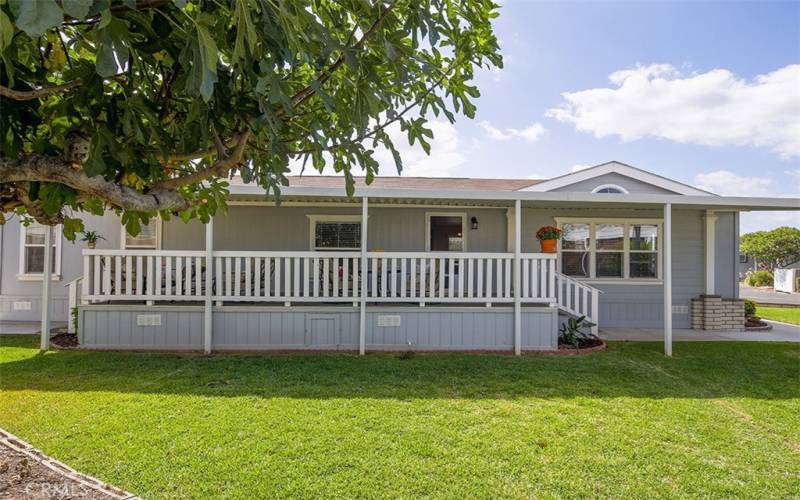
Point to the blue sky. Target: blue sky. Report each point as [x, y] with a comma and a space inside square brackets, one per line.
[704, 93]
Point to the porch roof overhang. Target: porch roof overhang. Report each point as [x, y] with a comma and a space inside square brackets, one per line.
[255, 194]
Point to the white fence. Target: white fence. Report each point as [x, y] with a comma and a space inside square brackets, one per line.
[397, 277]
[786, 280]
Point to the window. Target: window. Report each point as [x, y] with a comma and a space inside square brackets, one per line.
[610, 188]
[31, 262]
[445, 232]
[610, 249]
[341, 232]
[148, 238]
[743, 258]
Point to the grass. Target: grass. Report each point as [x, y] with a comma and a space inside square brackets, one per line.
[782, 314]
[716, 420]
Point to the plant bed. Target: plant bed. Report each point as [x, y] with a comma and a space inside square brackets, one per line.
[756, 324]
[65, 340]
[596, 344]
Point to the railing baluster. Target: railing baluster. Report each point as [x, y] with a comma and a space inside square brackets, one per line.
[374, 292]
[403, 276]
[490, 288]
[257, 277]
[326, 273]
[179, 276]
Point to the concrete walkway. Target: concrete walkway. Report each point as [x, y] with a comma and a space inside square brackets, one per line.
[27, 327]
[781, 332]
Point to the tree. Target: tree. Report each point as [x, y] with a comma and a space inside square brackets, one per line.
[775, 248]
[146, 107]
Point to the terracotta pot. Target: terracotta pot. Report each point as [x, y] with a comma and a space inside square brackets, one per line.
[548, 246]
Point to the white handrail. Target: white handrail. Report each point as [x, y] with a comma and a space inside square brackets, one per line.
[578, 299]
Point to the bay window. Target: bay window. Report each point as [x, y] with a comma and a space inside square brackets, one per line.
[610, 249]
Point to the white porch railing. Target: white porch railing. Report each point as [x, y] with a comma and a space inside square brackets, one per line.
[143, 275]
[157, 275]
[295, 277]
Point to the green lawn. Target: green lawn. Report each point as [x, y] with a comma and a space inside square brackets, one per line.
[717, 420]
[784, 314]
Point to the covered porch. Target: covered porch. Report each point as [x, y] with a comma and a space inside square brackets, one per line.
[514, 278]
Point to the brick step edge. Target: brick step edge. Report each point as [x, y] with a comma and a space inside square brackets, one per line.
[13, 442]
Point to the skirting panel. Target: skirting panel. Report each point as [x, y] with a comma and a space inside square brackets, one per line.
[243, 328]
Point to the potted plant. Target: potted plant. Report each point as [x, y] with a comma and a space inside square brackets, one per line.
[548, 236]
[91, 238]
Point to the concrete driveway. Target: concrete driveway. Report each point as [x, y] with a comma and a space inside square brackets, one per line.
[768, 296]
[781, 332]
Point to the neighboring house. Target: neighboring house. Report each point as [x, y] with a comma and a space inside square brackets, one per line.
[420, 263]
[746, 265]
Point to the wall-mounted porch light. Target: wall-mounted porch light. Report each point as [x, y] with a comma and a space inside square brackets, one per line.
[474, 222]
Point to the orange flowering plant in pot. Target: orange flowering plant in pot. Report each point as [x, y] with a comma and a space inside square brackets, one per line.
[548, 236]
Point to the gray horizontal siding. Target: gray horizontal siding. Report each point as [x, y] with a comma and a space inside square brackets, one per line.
[323, 328]
[287, 228]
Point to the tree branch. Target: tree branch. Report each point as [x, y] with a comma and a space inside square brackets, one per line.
[29, 95]
[220, 167]
[32, 168]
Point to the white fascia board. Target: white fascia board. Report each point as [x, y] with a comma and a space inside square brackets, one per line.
[727, 202]
[615, 167]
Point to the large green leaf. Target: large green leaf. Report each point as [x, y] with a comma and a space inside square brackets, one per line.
[208, 62]
[77, 9]
[34, 17]
[6, 31]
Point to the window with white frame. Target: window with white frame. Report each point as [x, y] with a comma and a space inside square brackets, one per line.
[610, 249]
[335, 232]
[31, 255]
[610, 189]
[149, 236]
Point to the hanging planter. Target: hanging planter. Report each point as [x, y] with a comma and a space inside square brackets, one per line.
[91, 238]
[548, 237]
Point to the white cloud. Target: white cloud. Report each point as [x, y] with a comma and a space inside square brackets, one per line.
[764, 221]
[532, 133]
[727, 183]
[715, 108]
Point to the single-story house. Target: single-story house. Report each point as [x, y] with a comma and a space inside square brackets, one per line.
[406, 263]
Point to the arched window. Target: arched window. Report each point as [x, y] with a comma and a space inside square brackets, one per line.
[610, 188]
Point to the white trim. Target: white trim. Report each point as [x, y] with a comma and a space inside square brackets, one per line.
[621, 189]
[667, 245]
[517, 278]
[464, 228]
[626, 222]
[56, 271]
[710, 260]
[313, 219]
[614, 167]
[123, 244]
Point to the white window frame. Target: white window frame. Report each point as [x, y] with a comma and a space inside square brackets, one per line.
[464, 231]
[619, 188]
[124, 238]
[312, 230]
[592, 222]
[56, 271]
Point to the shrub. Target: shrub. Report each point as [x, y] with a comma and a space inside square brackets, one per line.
[760, 278]
[749, 308]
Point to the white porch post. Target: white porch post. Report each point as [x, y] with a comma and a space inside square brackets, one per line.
[668, 279]
[208, 310]
[517, 276]
[47, 273]
[711, 219]
[362, 323]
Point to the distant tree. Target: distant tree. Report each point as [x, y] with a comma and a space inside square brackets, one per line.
[147, 106]
[771, 249]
